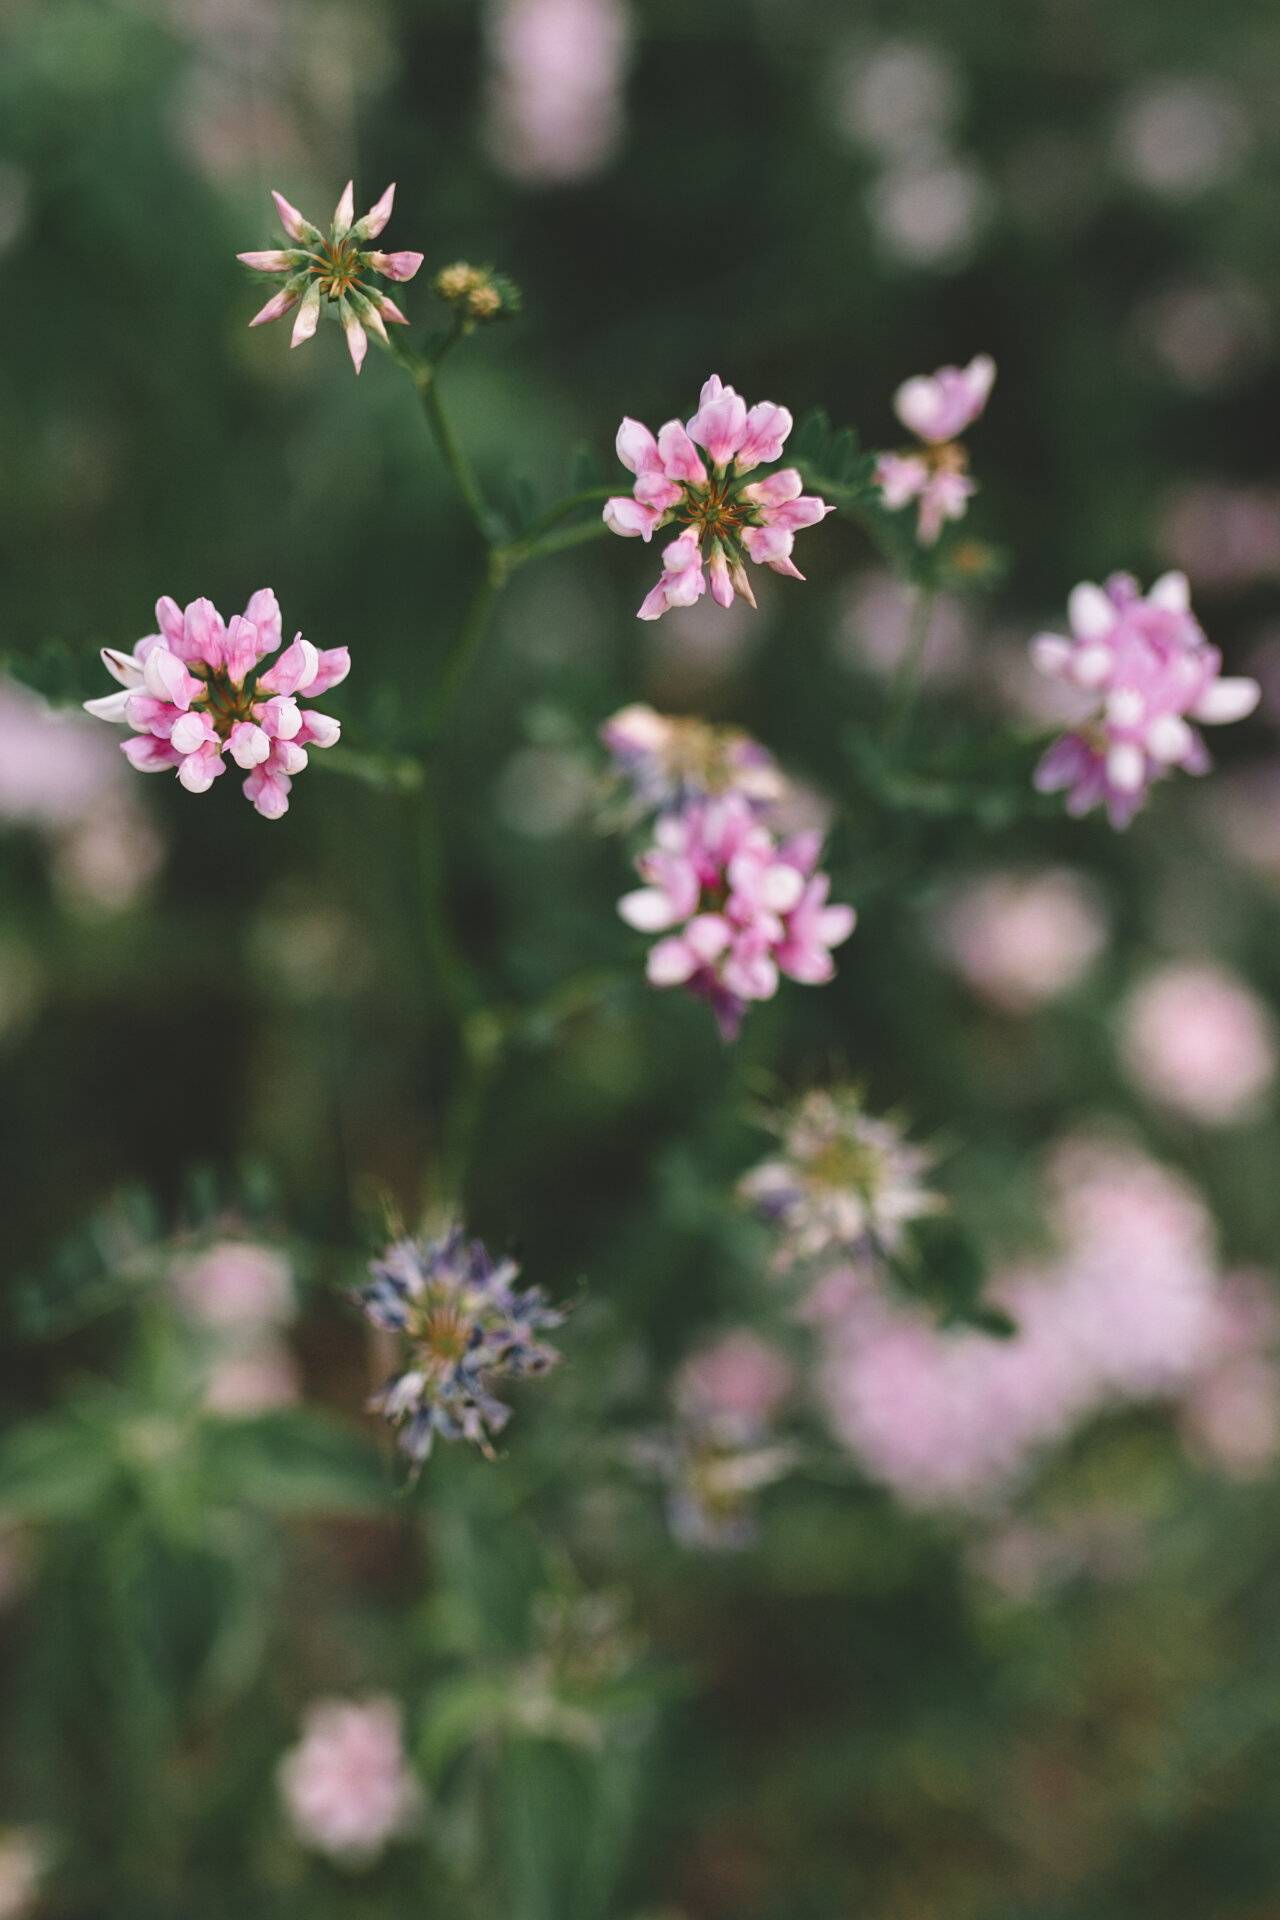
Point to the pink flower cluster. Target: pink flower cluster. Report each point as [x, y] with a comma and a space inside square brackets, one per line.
[346, 1786]
[737, 906]
[1146, 664]
[194, 691]
[725, 517]
[319, 272]
[1132, 1309]
[936, 408]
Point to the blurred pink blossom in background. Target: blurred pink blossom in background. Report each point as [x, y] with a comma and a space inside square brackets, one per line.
[236, 1286]
[1223, 536]
[741, 1378]
[1019, 939]
[1130, 1309]
[244, 1383]
[346, 1786]
[1195, 1038]
[554, 99]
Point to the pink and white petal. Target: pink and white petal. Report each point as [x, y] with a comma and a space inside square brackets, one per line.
[308, 316]
[1226, 700]
[192, 732]
[291, 220]
[146, 754]
[203, 633]
[357, 341]
[807, 511]
[378, 215]
[1171, 593]
[900, 478]
[775, 489]
[1051, 654]
[278, 717]
[649, 910]
[718, 573]
[767, 427]
[387, 307]
[198, 771]
[655, 602]
[751, 974]
[344, 212]
[288, 757]
[247, 744]
[277, 306]
[172, 625]
[165, 678]
[110, 706]
[333, 666]
[720, 426]
[630, 518]
[679, 456]
[295, 668]
[835, 924]
[707, 936]
[670, 964]
[146, 714]
[1090, 611]
[318, 729]
[636, 447]
[269, 792]
[275, 261]
[396, 266]
[242, 649]
[263, 612]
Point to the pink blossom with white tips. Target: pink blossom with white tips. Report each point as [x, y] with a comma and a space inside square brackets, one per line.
[725, 520]
[195, 690]
[1148, 665]
[936, 408]
[328, 274]
[736, 907]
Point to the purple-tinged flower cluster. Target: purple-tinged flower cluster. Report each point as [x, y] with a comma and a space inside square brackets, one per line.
[320, 272]
[195, 691]
[845, 1183]
[466, 1325]
[726, 518]
[1146, 663]
[669, 759]
[936, 408]
[737, 907]
[347, 1787]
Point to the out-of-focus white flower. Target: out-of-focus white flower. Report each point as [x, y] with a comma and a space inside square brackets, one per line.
[930, 214]
[1019, 939]
[900, 99]
[1195, 1038]
[1179, 137]
[554, 106]
[237, 1287]
[346, 1786]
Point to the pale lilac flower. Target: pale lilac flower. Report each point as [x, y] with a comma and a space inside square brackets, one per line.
[246, 1381]
[235, 1287]
[1020, 939]
[1195, 1038]
[844, 1182]
[320, 274]
[726, 519]
[667, 759]
[936, 408]
[347, 1786]
[465, 1326]
[1131, 1309]
[737, 907]
[197, 689]
[555, 86]
[1148, 667]
[741, 1378]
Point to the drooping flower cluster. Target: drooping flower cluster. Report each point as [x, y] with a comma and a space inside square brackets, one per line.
[725, 517]
[347, 1787]
[668, 759]
[466, 1325]
[320, 273]
[936, 408]
[719, 1450]
[845, 1183]
[194, 691]
[1132, 1309]
[737, 906]
[1146, 663]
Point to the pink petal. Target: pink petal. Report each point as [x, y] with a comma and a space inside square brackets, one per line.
[279, 718]
[199, 770]
[248, 744]
[269, 792]
[670, 964]
[146, 754]
[679, 456]
[318, 729]
[636, 447]
[720, 426]
[721, 584]
[775, 489]
[166, 679]
[655, 603]
[333, 666]
[275, 261]
[203, 634]
[290, 219]
[171, 624]
[387, 307]
[357, 342]
[344, 212]
[378, 215]
[308, 317]
[263, 612]
[295, 668]
[191, 732]
[767, 428]
[630, 517]
[396, 266]
[277, 306]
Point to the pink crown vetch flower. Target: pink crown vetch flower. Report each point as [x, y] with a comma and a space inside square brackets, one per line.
[726, 519]
[936, 408]
[327, 273]
[737, 907]
[1146, 662]
[196, 690]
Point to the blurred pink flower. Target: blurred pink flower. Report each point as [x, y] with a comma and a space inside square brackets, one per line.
[197, 688]
[741, 1379]
[236, 1286]
[726, 521]
[1019, 939]
[1231, 1418]
[936, 408]
[1223, 536]
[346, 1786]
[1129, 1310]
[554, 106]
[246, 1381]
[1150, 669]
[737, 907]
[1194, 1037]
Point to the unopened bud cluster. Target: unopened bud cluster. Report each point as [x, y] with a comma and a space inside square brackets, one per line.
[476, 293]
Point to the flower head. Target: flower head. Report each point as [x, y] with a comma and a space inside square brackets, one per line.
[737, 907]
[844, 1183]
[347, 1786]
[197, 689]
[466, 1326]
[319, 273]
[667, 759]
[1146, 663]
[936, 408]
[725, 518]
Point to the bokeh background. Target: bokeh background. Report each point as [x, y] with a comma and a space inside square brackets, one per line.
[977, 1662]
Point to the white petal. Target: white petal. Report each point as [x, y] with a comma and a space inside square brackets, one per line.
[109, 706]
[1171, 593]
[1126, 768]
[122, 667]
[1091, 666]
[781, 887]
[670, 964]
[1090, 612]
[1168, 738]
[1125, 707]
[647, 910]
[1224, 700]
[1051, 654]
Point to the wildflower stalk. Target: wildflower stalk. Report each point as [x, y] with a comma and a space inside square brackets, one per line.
[905, 685]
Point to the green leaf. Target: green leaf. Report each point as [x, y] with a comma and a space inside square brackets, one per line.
[297, 1463]
[53, 1469]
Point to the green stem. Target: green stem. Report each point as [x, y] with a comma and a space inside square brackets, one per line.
[521, 551]
[451, 452]
[464, 648]
[902, 692]
[587, 497]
